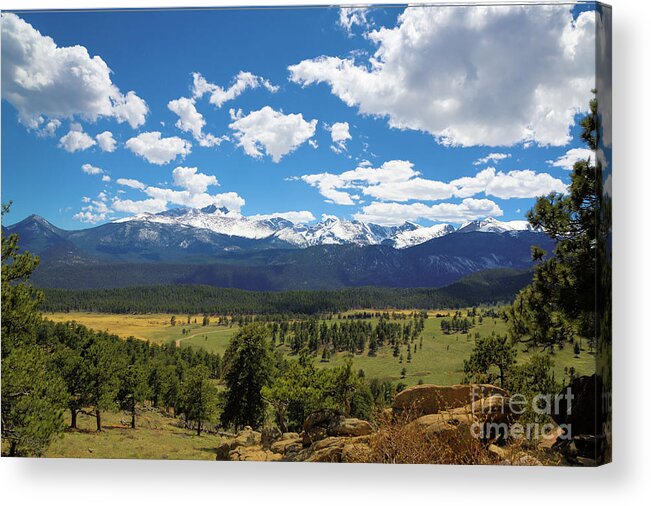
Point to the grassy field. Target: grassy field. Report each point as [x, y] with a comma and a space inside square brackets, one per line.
[156, 437]
[440, 360]
[155, 328]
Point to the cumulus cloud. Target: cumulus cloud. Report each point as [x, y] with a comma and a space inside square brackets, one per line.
[193, 181]
[157, 149]
[191, 120]
[131, 183]
[339, 133]
[471, 76]
[492, 158]
[106, 178]
[49, 128]
[293, 216]
[572, 156]
[76, 139]
[349, 17]
[391, 213]
[218, 96]
[271, 131]
[335, 187]
[509, 185]
[41, 79]
[106, 141]
[193, 193]
[397, 181]
[95, 210]
[87, 168]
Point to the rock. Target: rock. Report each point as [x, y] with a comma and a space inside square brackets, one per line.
[338, 449]
[351, 427]
[432, 399]
[253, 453]
[316, 425]
[287, 445]
[498, 451]
[521, 459]
[269, 435]
[322, 424]
[492, 409]
[454, 428]
[223, 450]
[247, 437]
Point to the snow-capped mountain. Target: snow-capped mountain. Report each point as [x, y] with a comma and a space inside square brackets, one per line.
[419, 235]
[331, 230]
[496, 226]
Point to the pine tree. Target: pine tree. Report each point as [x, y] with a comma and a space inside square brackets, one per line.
[248, 368]
[199, 397]
[33, 394]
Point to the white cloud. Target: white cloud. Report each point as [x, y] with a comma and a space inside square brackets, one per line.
[572, 156]
[106, 141]
[191, 120]
[131, 183]
[397, 181]
[339, 133]
[508, 185]
[293, 216]
[76, 139]
[193, 181]
[275, 133]
[390, 213]
[41, 79]
[352, 16]
[158, 150]
[95, 211]
[49, 129]
[87, 168]
[139, 206]
[331, 186]
[106, 179]
[219, 96]
[471, 76]
[492, 158]
[194, 193]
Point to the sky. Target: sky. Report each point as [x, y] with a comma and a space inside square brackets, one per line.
[384, 114]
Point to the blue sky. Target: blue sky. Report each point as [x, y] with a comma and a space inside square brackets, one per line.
[398, 111]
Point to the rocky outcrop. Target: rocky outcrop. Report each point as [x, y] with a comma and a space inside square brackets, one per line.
[432, 399]
[325, 423]
[456, 417]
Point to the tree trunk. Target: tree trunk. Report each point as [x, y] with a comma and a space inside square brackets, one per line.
[199, 428]
[13, 449]
[98, 419]
[73, 418]
[133, 417]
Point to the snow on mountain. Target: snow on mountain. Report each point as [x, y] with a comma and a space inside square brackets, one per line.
[419, 235]
[496, 226]
[331, 230]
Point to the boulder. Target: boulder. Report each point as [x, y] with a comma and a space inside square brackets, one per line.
[247, 437]
[493, 409]
[432, 399]
[326, 423]
[455, 427]
[269, 435]
[337, 449]
[351, 427]
[253, 453]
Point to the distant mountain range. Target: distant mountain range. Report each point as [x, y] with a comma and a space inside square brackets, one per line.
[215, 247]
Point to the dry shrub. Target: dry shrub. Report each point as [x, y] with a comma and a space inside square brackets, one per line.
[397, 441]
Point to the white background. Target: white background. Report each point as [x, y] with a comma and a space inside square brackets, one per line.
[627, 480]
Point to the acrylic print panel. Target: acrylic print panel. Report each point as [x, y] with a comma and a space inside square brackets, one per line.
[369, 234]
